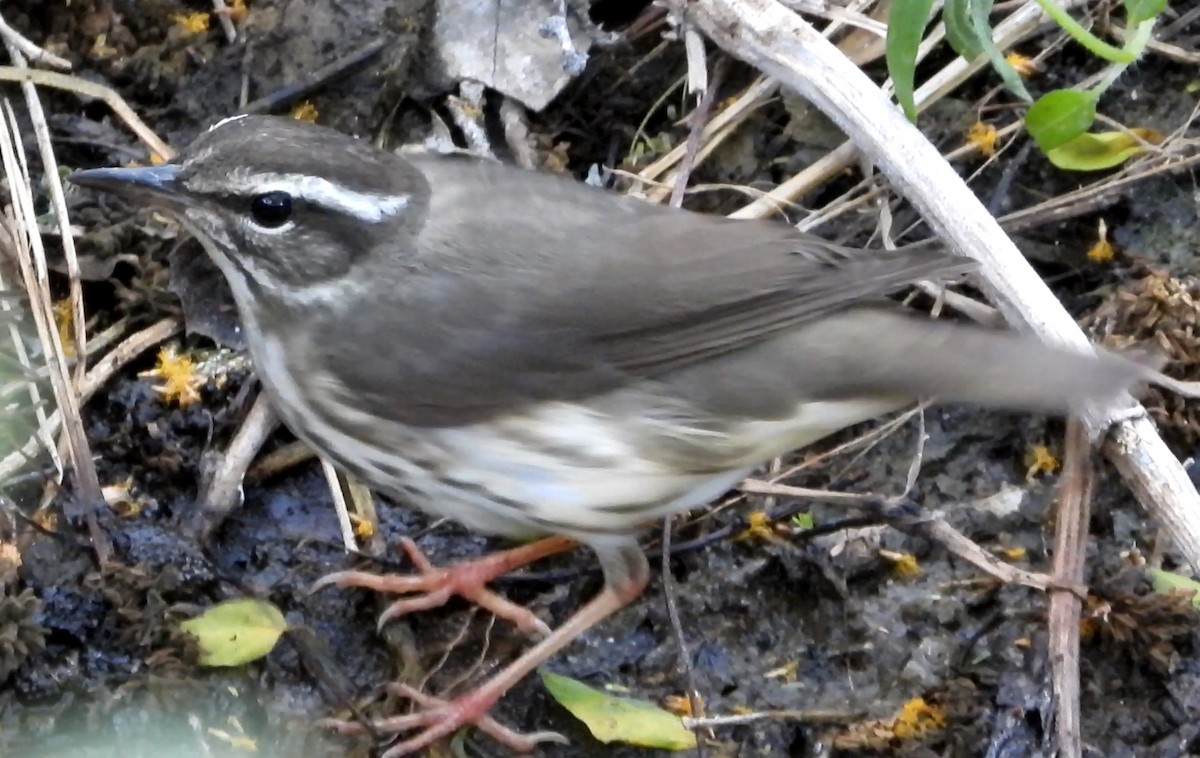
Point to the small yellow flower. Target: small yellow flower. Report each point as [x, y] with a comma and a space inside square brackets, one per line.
[904, 564]
[1102, 251]
[237, 11]
[1039, 460]
[983, 137]
[1013, 553]
[305, 111]
[181, 384]
[761, 527]
[363, 528]
[64, 319]
[192, 23]
[681, 705]
[786, 672]
[1023, 65]
[918, 718]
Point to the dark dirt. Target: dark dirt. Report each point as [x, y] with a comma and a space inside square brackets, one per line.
[96, 665]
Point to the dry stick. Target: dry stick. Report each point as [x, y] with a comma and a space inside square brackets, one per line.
[105, 368]
[698, 118]
[685, 656]
[22, 354]
[1070, 550]
[30, 50]
[222, 13]
[1022, 23]
[90, 89]
[768, 36]
[516, 132]
[728, 120]
[223, 492]
[58, 201]
[32, 258]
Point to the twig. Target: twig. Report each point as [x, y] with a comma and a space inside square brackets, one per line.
[343, 66]
[814, 716]
[36, 54]
[697, 119]
[97, 377]
[222, 13]
[91, 89]
[685, 655]
[781, 44]
[32, 257]
[221, 488]
[467, 111]
[1022, 23]
[339, 506]
[1070, 552]
[516, 132]
[37, 117]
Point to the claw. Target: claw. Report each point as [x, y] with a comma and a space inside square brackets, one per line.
[442, 718]
[433, 587]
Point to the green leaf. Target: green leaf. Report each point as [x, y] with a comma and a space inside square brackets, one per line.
[1096, 152]
[1060, 116]
[956, 15]
[980, 10]
[236, 631]
[1137, 11]
[1166, 582]
[804, 521]
[619, 719]
[906, 26]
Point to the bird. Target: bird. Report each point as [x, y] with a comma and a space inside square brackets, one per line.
[534, 357]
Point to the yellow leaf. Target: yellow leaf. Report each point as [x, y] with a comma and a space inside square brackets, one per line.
[236, 631]
[619, 719]
[1096, 152]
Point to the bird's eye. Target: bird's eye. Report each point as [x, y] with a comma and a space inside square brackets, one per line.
[271, 209]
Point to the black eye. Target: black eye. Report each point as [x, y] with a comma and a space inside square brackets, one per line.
[271, 209]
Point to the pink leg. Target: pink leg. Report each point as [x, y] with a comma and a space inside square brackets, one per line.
[626, 575]
[433, 586]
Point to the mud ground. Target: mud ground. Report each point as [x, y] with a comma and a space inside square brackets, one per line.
[823, 625]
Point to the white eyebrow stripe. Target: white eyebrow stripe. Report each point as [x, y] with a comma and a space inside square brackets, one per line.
[364, 206]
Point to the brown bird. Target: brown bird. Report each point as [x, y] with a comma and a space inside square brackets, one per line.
[531, 356]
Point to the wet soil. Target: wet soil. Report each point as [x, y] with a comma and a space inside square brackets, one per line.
[823, 624]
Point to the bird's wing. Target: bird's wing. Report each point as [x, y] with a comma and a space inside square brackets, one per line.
[527, 287]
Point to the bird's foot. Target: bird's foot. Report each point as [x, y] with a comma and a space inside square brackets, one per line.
[438, 719]
[434, 586]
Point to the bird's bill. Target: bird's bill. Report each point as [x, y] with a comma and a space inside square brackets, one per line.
[151, 182]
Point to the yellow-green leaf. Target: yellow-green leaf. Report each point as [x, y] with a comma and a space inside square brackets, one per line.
[619, 719]
[1096, 152]
[1165, 582]
[236, 631]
